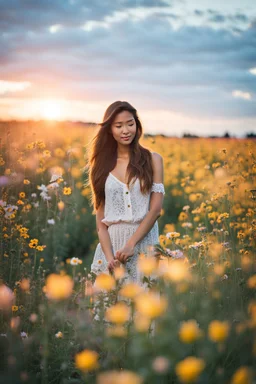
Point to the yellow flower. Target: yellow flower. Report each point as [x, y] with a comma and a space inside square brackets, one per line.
[189, 369]
[150, 304]
[147, 265]
[87, 360]
[25, 284]
[15, 308]
[61, 205]
[104, 282]
[130, 290]
[117, 377]
[118, 313]
[189, 331]
[218, 330]
[67, 191]
[22, 195]
[6, 297]
[59, 335]
[176, 271]
[119, 272]
[242, 376]
[251, 282]
[26, 181]
[58, 287]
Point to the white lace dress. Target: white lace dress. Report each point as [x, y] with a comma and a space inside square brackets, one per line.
[124, 210]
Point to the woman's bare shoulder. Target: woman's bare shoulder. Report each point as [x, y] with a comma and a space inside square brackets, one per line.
[156, 157]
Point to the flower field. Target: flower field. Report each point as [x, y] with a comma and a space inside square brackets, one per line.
[195, 321]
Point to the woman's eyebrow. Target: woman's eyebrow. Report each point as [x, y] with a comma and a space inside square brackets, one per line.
[120, 122]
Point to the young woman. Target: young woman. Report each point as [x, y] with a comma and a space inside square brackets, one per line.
[126, 181]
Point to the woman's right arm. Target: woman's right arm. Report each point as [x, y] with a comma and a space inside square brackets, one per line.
[103, 234]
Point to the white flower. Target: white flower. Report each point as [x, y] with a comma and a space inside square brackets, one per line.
[75, 261]
[55, 177]
[51, 221]
[36, 205]
[186, 207]
[54, 185]
[24, 335]
[187, 225]
[33, 195]
[176, 254]
[59, 335]
[42, 188]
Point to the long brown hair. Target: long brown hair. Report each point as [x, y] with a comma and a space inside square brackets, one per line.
[102, 156]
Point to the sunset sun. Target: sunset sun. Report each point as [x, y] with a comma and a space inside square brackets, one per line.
[51, 110]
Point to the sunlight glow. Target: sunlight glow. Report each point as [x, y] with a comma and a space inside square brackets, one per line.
[51, 110]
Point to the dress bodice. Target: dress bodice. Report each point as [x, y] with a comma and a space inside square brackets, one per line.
[123, 204]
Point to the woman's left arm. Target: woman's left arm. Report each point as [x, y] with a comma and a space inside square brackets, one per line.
[155, 206]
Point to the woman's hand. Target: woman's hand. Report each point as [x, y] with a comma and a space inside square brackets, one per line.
[113, 264]
[124, 253]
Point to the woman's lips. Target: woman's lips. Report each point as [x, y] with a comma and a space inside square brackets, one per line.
[125, 138]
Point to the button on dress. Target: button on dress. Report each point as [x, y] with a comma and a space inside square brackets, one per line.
[125, 208]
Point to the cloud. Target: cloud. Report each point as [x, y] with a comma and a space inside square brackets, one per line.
[242, 95]
[7, 87]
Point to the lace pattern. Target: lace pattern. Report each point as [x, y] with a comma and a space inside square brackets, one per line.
[158, 187]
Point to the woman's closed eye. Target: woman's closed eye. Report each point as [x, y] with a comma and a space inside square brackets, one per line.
[119, 126]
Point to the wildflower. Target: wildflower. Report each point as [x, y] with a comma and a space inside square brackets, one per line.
[58, 287]
[176, 254]
[189, 369]
[40, 247]
[147, 265]
[151, 304]
[22, 195]
[33, 318]
[51, 221]
[243, 375]
[55, 177]
[67, 191]
[118, 377]
[26, 181]
[189, 331]
[187, 225]
[160, 364]
[251, 282]
[15, 308]
[118, 313]
[75, 261]
[25, 284]
[176, 271]
[33, 243]
[87, 360]
[104, 282]
[172, 235]
[218, 330]
[186, 207]
[130, 290]
[61, 205]
[59, 335]
[6, 297]
[24, 335]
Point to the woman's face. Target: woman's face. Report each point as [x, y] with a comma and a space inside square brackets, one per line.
[123, 128]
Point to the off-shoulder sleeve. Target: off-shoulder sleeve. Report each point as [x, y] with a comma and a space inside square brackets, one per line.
[158, 187]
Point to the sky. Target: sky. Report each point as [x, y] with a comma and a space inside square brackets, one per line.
[187, 66]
